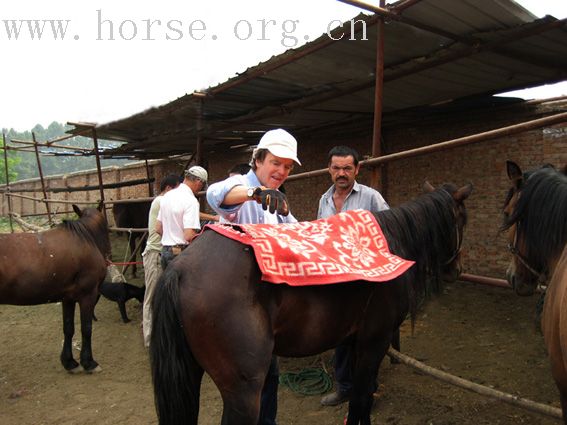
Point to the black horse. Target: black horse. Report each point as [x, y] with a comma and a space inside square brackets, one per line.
[64, 264]
[133, 215]
[213, 313]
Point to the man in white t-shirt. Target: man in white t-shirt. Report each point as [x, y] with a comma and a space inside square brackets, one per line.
[178, 219]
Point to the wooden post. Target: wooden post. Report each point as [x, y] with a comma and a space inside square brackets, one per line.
[99, 172]
[378, 173]
[7, 181]
[47, 207]
[150, 191]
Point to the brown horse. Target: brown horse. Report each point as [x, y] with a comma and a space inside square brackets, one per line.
[535, 215]
[213, 313]
[64, 264]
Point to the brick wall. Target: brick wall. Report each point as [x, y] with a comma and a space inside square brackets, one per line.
[114, 174]
[482, 164]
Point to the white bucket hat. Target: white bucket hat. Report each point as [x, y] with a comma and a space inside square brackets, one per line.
[280, 143]
[198, 172]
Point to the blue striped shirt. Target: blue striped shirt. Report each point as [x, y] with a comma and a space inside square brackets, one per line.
[249, 212]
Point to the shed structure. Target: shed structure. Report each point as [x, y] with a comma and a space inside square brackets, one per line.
[436, 64]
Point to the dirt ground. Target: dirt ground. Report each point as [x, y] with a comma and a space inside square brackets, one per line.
[484, 334]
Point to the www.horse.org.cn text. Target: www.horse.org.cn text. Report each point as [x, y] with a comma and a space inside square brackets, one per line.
[287, 31]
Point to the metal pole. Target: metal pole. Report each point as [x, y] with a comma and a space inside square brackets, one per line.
[7, 181]
[42, 181]
[484, 280]
[199, 150]
[98, 170]
[376, 179]
[479, 137]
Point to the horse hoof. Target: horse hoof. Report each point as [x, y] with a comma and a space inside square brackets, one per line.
[97, 369]
[75, 370]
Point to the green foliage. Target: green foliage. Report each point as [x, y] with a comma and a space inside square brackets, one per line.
[25, 163]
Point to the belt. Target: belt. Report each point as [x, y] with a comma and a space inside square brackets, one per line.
[182, 246]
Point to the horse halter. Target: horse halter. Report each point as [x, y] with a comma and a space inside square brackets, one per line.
[541, 276]
[458, 245]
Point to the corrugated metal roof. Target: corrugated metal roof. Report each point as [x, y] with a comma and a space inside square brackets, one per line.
[481, 48]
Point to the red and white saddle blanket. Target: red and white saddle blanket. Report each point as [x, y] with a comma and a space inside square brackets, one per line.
[345, 247]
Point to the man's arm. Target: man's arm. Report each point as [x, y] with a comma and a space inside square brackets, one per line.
[237, 195]
[159, 228]
[189, 234]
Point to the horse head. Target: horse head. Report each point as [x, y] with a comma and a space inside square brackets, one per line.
[95, 224]
[534, 216]
[451, 263]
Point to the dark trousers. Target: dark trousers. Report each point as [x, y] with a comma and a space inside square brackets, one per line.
[343, 367]
[166, 256]
[269, 398]
[343, 373]
[168, 253]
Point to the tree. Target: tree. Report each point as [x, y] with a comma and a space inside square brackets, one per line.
[25, 166]
[12, 163]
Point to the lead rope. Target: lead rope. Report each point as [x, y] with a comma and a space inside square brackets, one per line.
[124, 262]
[308, 381]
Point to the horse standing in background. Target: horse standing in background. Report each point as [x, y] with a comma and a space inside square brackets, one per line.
[213, 312]
[535, 215]
[133, 215]
[65, 264]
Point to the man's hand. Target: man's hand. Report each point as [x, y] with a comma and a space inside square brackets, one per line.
[271, 199]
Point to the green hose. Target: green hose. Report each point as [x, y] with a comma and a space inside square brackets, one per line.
[309, 381]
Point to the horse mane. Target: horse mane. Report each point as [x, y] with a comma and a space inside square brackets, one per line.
[91, 227]
[422, 230]
[540, 215]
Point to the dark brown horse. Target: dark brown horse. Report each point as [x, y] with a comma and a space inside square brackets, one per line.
[133, 215]
[213, 313]
[64, 264]
[535, 215]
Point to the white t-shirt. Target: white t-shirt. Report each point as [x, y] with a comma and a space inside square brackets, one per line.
[179, 209]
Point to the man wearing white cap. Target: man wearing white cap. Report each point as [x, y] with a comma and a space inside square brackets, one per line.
[178, 218]
[254, 198]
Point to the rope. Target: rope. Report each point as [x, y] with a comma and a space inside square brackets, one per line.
[124, 262]
[308, 381]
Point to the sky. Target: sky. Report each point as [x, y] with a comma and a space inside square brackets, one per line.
[118, 58]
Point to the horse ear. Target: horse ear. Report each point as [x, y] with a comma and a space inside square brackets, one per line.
[428, 187]
[514, 173]
[100, 206]
[77, 210]
[463, 193]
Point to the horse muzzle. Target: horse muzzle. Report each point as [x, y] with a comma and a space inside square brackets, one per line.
[520, 287]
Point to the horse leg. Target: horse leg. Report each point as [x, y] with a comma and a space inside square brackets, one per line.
[66, 357]
[241, 403]
[245, 377]
[366, 366]
[563, 398]
[87, 305]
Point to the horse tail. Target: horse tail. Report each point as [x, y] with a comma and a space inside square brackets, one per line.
[176, 374]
